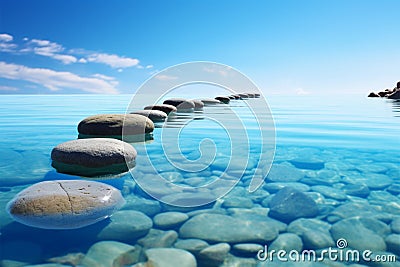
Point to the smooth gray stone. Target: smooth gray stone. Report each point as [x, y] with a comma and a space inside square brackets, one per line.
[357, 235]
[310, 164]
[287, 242]
[115, 125]
[180, 103]
[111, 253]
[93, 156]
[242, 95]
[73, 259]
[223, 99]
[237, 202]
[393, 243]
[374, 181]
[275, 187]
[395, 225]
[147, 206]
[215, 254]
[65, 204]
[126, 226]
[246, 249]
[164, 108]
[284, 173]
[317, 240]
[330, 192]
[169, 257]
[198, 104]
[222, 228]
[231, 260]
[158, 239]
[357, 190]
[314, 232]
[192, 245]
[289, 204]
[154, 115]
[351, 209]
[169, 220]
[210, 101]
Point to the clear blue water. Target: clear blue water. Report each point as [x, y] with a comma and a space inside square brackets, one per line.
[357, 139]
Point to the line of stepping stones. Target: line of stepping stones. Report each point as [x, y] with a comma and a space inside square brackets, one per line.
[98, 151]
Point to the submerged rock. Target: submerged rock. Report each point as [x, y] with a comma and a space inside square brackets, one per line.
[126, 226]
[158, 239]
[154, 115]
[170, 220]
[93, 157]
[310, 163]
[214, 255]
[289, 204]
[284, 173]
[65, 204]
[169, 257]
[222, 228]
[287, 242]
[115, 125]
[192, 245]
[111, 253]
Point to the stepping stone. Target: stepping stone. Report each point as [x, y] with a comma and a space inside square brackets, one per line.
[223, 99]
[210, 101]
[198, 104]
[243, 96]
[115, 125]
[164, 108]
[93, 157]
[289, 204]
[154, 115]
[65, 204]
[180, 104]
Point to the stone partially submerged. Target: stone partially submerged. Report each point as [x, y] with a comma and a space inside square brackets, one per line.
[115, 125]
[154, 115]
[65, 204]
[93, 157]
[163, 107]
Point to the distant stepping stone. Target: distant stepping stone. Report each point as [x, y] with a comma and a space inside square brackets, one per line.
[93, 157]
[115, 125]
[65, 204]
[198, 104]
[223, 99]
[237, 97]
[210, 101]
[251, 95]
[181, 104]
[256, 95]
[310, 164]
[243, 96]
[154, 115]
[163, 107]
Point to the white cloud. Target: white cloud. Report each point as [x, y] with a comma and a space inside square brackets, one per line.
[49, 49]
[103, 77]
[82, 60]
[5, 43]
[139, 67]
[25, 39]
[149, 66]
[163, 77]
[4, 37]
[7, 88]
[55, 80]
[112, 60]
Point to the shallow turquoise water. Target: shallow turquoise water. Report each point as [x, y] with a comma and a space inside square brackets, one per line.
[357, 139]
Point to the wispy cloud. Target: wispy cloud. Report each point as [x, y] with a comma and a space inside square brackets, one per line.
[7, 88]
[56, 80]
[113, 60]
[163, 77]
[49, 49]
[5, 43]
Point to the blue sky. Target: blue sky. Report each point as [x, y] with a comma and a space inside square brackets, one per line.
[285, 47]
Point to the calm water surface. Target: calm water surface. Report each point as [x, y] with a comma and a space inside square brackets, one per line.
[357, 139]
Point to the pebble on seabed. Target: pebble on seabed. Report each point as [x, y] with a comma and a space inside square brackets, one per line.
[65, 204]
